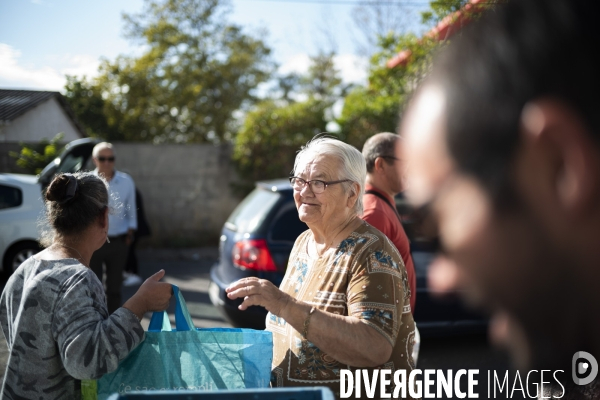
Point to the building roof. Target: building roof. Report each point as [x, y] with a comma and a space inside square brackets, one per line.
[14, 103]
[446, 28]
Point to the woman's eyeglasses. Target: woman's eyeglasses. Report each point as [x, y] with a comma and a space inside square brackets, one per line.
[103, 159]
[316, 186]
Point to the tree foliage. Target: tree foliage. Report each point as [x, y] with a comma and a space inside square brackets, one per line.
[32, 158]
[85, 99]
[377, 107]
[439, 9]
[266, 145]
[195, 72]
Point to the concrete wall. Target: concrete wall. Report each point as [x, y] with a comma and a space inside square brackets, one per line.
[41, 122]
[186, 190]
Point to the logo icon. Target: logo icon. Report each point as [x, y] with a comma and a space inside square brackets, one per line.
[585, 368]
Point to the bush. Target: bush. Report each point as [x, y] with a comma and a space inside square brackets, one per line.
[34, 157]
[266, 146]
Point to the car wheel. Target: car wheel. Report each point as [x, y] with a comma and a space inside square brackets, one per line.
[17, 254]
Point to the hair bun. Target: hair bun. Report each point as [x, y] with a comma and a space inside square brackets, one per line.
[62, 188]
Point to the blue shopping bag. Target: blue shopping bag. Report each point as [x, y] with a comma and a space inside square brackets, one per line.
[190, 358]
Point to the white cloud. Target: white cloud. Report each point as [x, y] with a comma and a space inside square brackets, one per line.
[80, 65]
[16, 74]
[353, 69]
[13, 74]
[298, 64]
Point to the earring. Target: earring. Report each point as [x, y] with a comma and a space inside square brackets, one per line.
[107, 239]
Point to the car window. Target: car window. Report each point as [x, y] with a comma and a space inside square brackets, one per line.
[10, 197]
[71, 163]
[76, 159]
[251, 212]
[287, 227]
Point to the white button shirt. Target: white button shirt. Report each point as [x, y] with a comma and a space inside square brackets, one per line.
[122, 215]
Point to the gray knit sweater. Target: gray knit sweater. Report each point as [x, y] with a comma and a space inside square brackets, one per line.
[56, 324]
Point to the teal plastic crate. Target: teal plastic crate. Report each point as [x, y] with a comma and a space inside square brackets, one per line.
[312, 393]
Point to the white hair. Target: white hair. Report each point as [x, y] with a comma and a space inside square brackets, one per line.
[352, 161]
[101, 146]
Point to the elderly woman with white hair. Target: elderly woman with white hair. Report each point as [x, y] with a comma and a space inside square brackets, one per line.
[344, 302]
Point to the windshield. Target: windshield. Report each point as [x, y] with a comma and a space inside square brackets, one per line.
[251, 212]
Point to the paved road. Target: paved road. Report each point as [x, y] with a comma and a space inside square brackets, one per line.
[189, 269]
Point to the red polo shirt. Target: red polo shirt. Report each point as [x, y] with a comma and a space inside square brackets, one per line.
[380, 215]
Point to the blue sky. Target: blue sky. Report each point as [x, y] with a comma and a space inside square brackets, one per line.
[42, 40]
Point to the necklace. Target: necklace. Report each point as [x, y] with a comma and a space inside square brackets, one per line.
[332, 240]
[74, 249]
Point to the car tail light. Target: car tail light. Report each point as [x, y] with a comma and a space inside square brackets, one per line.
[253, 254]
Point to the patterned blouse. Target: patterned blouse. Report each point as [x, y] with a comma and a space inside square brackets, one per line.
[365, 278]
[53, 315]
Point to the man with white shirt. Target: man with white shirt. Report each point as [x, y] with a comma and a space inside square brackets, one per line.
[122, 223]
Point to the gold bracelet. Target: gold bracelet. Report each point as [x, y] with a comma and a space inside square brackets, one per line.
[307, 322]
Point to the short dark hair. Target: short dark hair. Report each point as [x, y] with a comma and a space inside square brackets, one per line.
[515, 53]
[73, 202]
[379, 145]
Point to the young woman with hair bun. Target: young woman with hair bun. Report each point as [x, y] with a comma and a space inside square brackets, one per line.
[53, 308]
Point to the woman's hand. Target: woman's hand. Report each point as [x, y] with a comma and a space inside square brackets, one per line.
[153, 295]
[344, 338]
[259, 292]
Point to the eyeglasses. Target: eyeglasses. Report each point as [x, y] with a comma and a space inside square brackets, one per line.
[103, 159]
[391, 158]
[316, 186]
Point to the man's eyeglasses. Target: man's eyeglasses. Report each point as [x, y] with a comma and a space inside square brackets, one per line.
[316, 186]
[103, 159]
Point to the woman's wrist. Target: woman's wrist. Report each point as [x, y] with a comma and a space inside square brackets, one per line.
[296, 313]
[135, 307]
[307, 322]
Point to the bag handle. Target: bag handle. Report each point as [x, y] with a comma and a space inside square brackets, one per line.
[183, 320]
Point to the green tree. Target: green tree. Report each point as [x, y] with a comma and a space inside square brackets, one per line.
[439, 9]
[196, 72]
[375, 108]
[85, 99]
[266, 145]
[32, 158]
[322, 81]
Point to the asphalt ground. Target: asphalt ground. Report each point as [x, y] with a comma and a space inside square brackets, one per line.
[189, 269]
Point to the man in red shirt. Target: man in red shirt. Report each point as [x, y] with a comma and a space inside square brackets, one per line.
[383, 183]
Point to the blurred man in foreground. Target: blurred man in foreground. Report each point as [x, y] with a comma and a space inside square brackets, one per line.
[503, 146]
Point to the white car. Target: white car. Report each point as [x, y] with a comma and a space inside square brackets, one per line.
[21, 205]
[21, 210]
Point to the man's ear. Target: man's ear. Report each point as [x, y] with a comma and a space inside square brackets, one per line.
[378, 164]
[566, 145]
